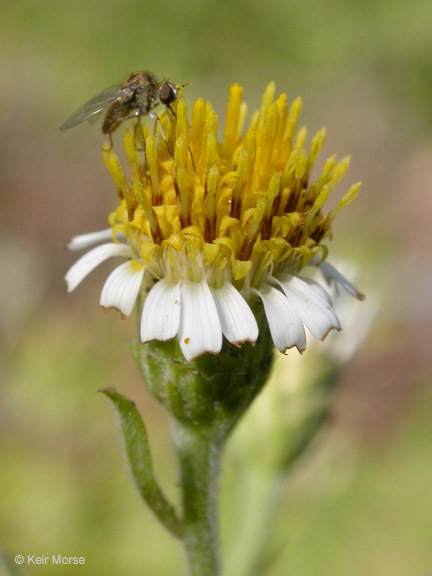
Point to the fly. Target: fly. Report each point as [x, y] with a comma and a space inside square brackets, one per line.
[137, 96]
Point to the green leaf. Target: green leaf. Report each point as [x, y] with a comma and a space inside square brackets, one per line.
[139, 459]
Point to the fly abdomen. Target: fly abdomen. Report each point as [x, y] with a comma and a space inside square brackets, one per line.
[115, 114]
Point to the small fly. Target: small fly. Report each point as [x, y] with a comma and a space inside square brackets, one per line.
[137, 96]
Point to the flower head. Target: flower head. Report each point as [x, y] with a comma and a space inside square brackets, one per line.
[211, 231]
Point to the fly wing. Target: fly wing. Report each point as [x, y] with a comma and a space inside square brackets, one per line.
[94, 106]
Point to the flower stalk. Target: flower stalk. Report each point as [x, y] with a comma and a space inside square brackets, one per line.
[199, 458]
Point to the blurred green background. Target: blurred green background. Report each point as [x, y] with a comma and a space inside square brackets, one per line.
[362, 502]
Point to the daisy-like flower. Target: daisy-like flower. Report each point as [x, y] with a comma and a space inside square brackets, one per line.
[211, 231]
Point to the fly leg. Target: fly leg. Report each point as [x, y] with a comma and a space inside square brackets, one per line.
[110, 142]
[159, 123]
[137, 116]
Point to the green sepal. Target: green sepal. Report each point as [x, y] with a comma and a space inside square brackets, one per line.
[211, 392]
[138, 454]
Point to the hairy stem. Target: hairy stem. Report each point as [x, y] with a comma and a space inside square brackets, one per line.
[199, 454]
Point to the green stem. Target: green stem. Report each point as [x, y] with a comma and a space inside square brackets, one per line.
[199, 454]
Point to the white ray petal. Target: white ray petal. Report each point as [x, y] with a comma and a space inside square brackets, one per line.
[285, 326]
[314, 311]
[320, 290]
[122, 286]
[200, 330]
[160, 318]
[331, 273]
[92, 259]
[86, 240]
[236, 318]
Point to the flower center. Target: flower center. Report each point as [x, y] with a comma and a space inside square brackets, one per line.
[240, 210]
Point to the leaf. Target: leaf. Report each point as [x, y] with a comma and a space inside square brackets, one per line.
[139, 460]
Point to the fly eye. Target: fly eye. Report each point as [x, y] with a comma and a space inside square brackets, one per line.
[168, 93]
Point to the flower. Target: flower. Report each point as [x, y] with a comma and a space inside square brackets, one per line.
[211, 231]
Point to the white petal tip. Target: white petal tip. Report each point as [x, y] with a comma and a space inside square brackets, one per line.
[245, 341]
[108, 308]
[192, 357]
[86, 240]
[192, 351]
[145, 340]
[336, 328]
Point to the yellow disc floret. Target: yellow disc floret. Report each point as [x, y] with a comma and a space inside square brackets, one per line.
[240, 210]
